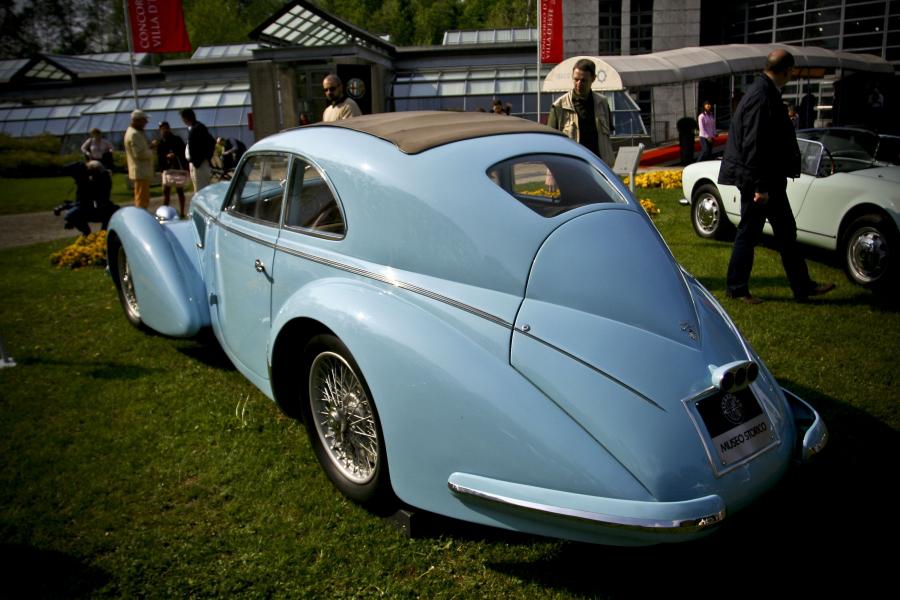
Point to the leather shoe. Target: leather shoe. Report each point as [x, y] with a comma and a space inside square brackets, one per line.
[748, 299]
[822, 288]
[817, 290]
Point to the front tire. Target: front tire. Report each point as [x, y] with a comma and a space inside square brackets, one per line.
[122, 276]
[708, 214]
[869, 250]
[342, 422]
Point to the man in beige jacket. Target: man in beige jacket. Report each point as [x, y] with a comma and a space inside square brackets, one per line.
[584, 115]
[139, 157]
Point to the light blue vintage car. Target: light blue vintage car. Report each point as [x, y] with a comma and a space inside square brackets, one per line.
[472, 315]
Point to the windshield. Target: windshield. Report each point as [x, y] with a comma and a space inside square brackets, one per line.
[842, 150]
[853, 143]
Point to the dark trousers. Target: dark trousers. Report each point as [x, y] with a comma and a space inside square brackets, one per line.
[85, 213]
[777, 210]
[705, 149]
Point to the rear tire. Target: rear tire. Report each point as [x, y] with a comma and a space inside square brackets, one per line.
[708, 214]
[342, 423]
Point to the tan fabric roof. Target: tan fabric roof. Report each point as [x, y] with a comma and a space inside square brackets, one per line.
[417, 131]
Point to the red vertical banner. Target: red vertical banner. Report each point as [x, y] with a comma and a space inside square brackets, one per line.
[551, 31]
[158, 26]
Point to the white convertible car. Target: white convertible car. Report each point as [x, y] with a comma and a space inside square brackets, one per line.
[844, 200]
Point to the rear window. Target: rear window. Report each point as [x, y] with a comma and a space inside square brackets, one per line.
[551, 184]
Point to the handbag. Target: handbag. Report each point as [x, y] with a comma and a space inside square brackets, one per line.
[176, 177]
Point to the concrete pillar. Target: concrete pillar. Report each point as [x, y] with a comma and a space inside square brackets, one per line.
[581, 20]
[287, 85]
[676, 24]
[264, 97]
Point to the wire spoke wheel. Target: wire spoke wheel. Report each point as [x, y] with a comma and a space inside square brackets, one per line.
[126, 287]
[344, 418]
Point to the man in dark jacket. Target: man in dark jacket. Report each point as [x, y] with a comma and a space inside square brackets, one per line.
[760, 155]
[200, 148]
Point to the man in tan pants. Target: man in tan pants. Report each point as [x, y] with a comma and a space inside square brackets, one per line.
[139, 158]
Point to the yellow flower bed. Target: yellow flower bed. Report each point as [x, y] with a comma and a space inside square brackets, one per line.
[87, 251]
[667, 180]
[649, 207]
[541, 192]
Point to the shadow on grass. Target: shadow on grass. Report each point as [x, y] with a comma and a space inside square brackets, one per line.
[96, 370]
[824, 521]
[861, 297]
[29, 572]
[205, 348]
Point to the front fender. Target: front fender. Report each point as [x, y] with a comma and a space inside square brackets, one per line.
[165, 270]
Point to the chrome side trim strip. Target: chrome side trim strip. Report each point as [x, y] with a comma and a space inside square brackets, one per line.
[399, 284]
[615, 380]
[204, 213]
[247, 236]
[690, 525]
[369, 275]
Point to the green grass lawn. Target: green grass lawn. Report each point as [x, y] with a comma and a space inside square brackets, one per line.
[42, 194]
[136, 465]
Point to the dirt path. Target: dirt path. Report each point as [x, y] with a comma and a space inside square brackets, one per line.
[34, 228]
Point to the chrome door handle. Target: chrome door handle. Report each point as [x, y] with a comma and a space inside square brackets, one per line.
[259, 266]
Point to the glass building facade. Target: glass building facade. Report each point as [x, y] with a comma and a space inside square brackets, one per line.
[223, 107]
[867, 26]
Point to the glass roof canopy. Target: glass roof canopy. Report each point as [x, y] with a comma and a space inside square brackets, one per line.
[302, 24]
[490, 36]
[225, 51]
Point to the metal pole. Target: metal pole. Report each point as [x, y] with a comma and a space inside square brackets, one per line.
[538, 74]
[130, 53]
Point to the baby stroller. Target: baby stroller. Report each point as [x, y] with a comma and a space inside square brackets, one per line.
[93, 185]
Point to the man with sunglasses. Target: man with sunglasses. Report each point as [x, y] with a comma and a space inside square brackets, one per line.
[339, 107]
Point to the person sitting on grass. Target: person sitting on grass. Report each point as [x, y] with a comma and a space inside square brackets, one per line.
[93, 185]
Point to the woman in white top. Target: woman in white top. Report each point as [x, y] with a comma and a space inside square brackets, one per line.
[98, 147]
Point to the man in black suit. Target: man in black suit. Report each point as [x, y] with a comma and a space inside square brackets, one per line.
[200, 148]
[761, 153]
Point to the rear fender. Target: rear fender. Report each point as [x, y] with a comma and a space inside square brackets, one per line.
[165, 270]
[448, 399]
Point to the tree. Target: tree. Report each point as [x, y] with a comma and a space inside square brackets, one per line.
[59, 26]
[433, 18]
[87, 26]
[15, 41]
[211, 22]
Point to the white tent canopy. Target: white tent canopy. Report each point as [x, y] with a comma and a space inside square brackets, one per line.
[691, 64]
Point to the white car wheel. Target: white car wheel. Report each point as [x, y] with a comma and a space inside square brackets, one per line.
[708, 214]
[870, 248]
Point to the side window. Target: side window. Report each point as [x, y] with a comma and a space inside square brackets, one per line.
[259, 190]
[552, 184]
[311, 204]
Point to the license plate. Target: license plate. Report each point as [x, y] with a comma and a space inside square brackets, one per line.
[737, 426]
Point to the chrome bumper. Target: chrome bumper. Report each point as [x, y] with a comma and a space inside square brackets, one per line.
[689, 516]
[809, 424]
